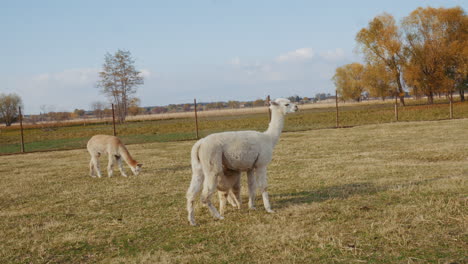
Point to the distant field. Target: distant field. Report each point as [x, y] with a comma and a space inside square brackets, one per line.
[182, 126]
[387, 193]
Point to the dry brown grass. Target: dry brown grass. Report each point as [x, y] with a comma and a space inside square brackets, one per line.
[392, 193]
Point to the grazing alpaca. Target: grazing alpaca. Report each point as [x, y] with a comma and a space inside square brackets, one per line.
[218, 159]
[115, 149]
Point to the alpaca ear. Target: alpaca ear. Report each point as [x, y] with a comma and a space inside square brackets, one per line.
[274, 103]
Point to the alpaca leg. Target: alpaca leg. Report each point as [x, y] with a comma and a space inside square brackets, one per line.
[234, 194]
[209, 188]
[263, 185]
[121, 168]
[234, 199]
[110, 165]
[91, 168]
[222, 201]
[252, 189]
[95, 160]
[231, 198]
[192, 192]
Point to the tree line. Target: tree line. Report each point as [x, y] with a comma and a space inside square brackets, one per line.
[426, 53]
[9, 104]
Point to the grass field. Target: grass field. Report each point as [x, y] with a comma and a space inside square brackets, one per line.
[387, 193]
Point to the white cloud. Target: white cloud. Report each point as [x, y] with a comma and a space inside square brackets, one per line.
[42, 77]
[64, 90]
[72, 76]
[146, 73]
[235, 61]
[295, 72]
[333, 55]
[296, 55]
[249, 68]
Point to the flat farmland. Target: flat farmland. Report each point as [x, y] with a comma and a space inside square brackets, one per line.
[378, 193]
[181, 126]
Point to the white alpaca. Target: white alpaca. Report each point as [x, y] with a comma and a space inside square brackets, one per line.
[115, 149]
[218, 159]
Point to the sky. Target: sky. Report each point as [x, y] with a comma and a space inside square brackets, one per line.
[211, 50]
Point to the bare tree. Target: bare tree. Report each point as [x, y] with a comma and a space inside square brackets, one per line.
[79, 113]
[119, 81]
[134, 107]
[233, 104]
[98, 109]
[9, 104]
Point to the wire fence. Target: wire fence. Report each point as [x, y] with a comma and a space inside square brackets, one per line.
[74, 134]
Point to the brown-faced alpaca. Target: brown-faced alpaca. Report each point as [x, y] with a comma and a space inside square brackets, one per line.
[218, 159]
[115, 149]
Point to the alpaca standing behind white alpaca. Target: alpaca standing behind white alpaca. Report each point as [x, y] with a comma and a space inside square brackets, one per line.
[233, 152]
[115, 149]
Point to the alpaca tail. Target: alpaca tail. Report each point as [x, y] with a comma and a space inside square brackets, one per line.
[195, 160]
[198, 176]
[196, 183]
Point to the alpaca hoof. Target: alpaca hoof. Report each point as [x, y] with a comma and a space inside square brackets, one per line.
[252, 208]
[270, 211]
[218, 217]
[192, 223]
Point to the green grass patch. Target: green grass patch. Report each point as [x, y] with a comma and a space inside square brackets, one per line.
[54, 137]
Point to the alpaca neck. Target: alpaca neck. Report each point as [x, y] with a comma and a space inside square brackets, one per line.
[127, 157]
[275, 127]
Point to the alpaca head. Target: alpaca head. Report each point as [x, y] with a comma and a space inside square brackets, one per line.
[284, 105]
[136, 170]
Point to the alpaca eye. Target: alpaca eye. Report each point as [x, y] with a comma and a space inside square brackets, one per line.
[286, 104]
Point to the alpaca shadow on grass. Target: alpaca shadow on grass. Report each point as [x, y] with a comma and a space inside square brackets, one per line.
[174, 168]
[326, 193]
[341, 192]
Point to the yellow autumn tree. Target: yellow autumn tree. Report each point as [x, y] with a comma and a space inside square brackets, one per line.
[348, 80]
[378, 81]
[437, 51]
[456, 40]
[381, 44]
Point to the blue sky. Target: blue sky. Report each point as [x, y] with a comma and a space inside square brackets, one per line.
[212, 50]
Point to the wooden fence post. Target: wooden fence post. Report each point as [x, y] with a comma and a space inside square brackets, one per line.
[396, 108]
[21, 128]
[451, 104]
[269, 110]
[113, 120]
[337, 114]
[196, 117]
